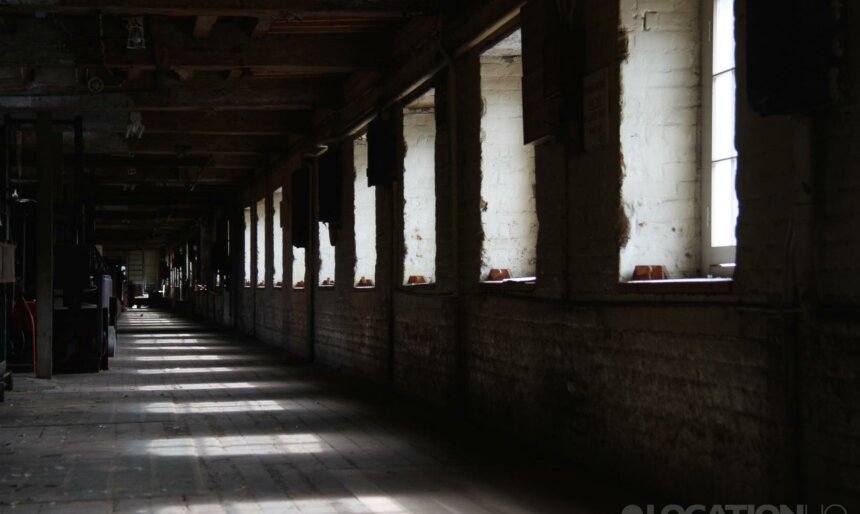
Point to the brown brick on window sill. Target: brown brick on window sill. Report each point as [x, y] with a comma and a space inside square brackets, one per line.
[678, 286]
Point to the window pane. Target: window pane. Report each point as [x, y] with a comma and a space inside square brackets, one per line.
[723, 129]
[724, 35]
[724, 203]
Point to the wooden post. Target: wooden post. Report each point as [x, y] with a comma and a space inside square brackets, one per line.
[49, 158]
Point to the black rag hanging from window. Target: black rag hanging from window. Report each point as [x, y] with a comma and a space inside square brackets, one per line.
[300, 207]
[330, 187]
[381, 151]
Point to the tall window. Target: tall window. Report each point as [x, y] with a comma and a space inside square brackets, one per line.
[508, 212]
[261, 243]
[720, 157]
[326, 255]
[364, 219]
[277, 238]
[298, 268]
[247, 215]
[419, 190]
[660, 121]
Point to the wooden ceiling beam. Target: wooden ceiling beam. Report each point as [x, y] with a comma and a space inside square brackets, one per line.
[196, 95]
[185, 144]
[41, 44]
[246, 8]
[229, 123]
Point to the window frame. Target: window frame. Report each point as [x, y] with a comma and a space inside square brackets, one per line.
[716, 261]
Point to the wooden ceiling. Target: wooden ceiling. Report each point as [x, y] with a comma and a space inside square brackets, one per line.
[223, 88]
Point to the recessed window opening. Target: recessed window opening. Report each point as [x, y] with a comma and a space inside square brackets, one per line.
[326, 256]
[298, 268]
[364, 219]
[247, 270]
[508, 211]
[277, 238]
[419, 190]
[720, 157]
[261, 243]
[660, 105]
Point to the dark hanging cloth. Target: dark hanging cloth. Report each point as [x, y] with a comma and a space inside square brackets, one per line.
[330, 187]
[299, 190]
[381, 151]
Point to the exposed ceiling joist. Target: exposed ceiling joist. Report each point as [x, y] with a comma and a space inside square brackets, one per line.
[175, 144]
[39, 43]
[246, 8]
[197, 96]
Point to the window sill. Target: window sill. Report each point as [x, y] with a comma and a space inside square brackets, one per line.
[418, 287]
[298, 288]
[363, 289]
[518, 285]
[679, 286]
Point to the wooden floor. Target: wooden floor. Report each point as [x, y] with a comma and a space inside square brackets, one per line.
[191, 419]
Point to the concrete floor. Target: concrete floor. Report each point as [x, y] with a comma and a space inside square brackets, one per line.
[190, 419]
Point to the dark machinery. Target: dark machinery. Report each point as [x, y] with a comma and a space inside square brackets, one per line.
[83, 284]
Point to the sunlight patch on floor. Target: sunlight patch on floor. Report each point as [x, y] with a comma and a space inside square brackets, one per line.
[228, 446]
[213, 407]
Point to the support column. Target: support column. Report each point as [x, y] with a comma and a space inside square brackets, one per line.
[49, 157]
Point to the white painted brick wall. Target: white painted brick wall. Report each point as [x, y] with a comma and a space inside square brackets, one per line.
[508, 212]
[261, 241]
[419, 193]
[298, 265]
[277, 238]
[661, 98]
[247, 248]
[365, 216]
[326, 254]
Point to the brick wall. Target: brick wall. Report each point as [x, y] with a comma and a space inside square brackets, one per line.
[750, 396]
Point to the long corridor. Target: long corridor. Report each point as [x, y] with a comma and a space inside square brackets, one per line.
[190, 419]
